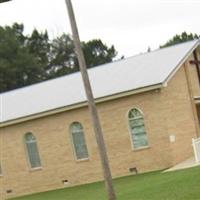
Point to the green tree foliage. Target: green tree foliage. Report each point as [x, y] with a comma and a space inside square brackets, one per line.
[17, 66]
[64, 60]
[183, 37]
[38, 45]
[62, 57]
[25, 60]
[97, 53]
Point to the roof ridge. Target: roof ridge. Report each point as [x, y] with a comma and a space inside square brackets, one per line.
[116, 79]
[98, 66]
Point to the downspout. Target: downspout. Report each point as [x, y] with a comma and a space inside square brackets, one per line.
[194, 110]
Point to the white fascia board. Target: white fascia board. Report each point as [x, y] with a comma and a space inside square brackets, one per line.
[181, 63]
[80, 105]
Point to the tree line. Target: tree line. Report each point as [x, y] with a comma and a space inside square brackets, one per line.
[183, 37]
[29, 59]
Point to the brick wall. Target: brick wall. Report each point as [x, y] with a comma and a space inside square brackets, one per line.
[166, 112]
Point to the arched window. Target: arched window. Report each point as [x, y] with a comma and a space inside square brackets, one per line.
[137, 128]
[1, 170]
[78, 140]
[32, 150]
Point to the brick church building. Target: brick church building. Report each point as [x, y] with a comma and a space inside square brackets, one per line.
[149, 107]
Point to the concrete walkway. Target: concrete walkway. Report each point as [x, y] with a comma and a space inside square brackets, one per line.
[183, 165]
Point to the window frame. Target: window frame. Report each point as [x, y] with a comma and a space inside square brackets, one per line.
[1, 169]
[73, 145]
[27, 154]
[130, 130]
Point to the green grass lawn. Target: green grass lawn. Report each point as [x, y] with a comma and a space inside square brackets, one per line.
[179, 185]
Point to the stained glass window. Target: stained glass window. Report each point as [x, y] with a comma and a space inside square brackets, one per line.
[78, 140]
[137, 128]
[32, 150]
[0, 169]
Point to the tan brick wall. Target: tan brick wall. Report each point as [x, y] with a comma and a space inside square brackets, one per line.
[166, 112]
[56, 150]
[194, 77]
[179, 116]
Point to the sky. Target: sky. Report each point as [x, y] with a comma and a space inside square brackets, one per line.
[130, 25]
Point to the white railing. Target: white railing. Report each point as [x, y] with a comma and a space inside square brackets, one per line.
[196, 147]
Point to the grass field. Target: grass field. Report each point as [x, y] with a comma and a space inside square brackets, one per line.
[179, 185]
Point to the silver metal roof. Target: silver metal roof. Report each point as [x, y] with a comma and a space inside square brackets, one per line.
[126, 75]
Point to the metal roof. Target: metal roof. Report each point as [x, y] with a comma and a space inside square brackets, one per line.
[129, 74]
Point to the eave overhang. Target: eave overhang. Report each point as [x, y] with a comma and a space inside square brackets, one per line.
[81, 104]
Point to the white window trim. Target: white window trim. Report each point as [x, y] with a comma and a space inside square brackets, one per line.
[1, 173]
[27, 156]
[35, 169]
[73, 146]
[130, 133]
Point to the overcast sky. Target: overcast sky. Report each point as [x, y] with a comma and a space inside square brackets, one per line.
[131, 25]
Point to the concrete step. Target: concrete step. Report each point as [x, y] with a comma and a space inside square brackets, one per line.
[183, 165]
